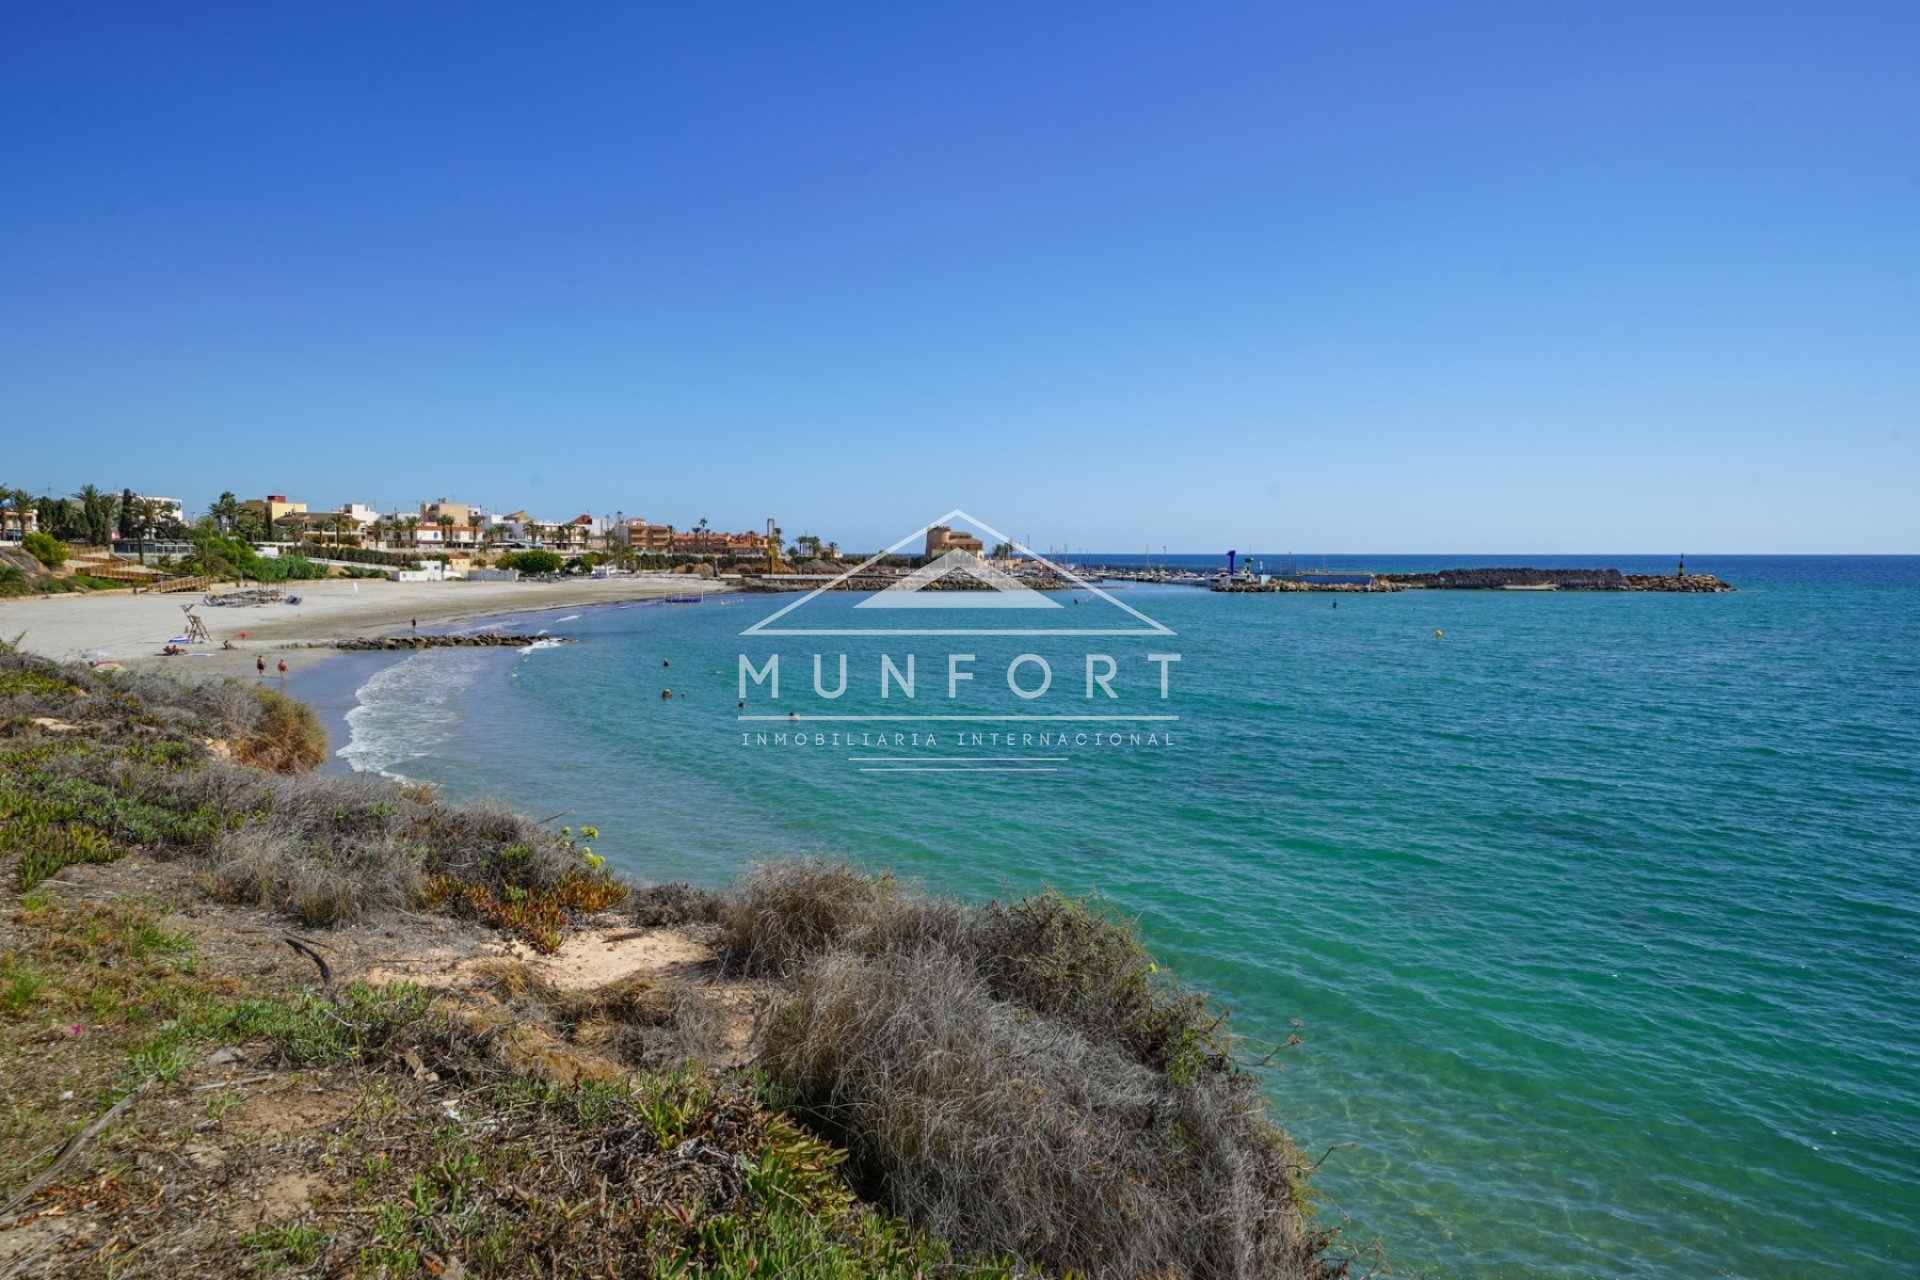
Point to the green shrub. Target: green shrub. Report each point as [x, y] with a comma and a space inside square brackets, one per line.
[48, 551]
[1074, 959]
[530, 562]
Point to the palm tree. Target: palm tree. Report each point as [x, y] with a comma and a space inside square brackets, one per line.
[700, 535]
[226, 511]
[97, 509]
[446, 530]
[147, 516]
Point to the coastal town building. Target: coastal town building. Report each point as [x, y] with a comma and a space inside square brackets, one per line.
[582, 533]
[446, 525]
[172, 510]
[272, 507]
[16, 521]
[644, 536]
[332, 527]
[458, 512]
[734, 544]
[504, 528]
[666, 539]
[941, 539]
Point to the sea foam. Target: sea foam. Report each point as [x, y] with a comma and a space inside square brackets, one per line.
[409, 710]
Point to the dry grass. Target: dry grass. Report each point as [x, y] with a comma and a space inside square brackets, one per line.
[1008, 1133]
[1020, 1079]
[674, 904]
[137, 772]
[373, 1133]
[322, 849]
[638, 1021]
[780, 914]
[289, 737]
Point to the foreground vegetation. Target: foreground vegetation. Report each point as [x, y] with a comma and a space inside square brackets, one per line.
[935, 1089]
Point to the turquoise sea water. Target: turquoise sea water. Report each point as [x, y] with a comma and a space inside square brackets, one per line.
[1599, 912]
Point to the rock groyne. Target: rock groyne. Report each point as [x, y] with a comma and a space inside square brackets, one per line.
[1512, 579]
[480, 640]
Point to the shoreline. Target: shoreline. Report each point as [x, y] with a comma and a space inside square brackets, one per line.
[132, 630]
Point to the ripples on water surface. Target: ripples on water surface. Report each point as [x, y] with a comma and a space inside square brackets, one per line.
[1599, 912]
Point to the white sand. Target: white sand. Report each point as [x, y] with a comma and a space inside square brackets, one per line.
[132, 628]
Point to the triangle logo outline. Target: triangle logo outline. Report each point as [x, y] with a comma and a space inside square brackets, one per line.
[1148, 627]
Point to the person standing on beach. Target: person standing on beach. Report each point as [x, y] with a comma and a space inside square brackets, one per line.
[416, 626]
[260, 664]
[283, 668]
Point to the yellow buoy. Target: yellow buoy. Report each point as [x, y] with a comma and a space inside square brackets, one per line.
[1438, 634]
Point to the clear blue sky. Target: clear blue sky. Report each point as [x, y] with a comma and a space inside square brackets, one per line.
[1461, 277]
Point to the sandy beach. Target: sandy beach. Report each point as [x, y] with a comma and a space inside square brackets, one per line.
[134, 629]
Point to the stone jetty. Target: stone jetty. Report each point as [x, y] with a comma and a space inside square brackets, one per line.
[1554, 579]
[480, 640]
[1515, 579]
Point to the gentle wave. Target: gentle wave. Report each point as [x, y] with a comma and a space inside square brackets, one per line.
[410, 710]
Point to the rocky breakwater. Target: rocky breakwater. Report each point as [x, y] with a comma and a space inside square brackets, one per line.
[1527, 579]
[1499, 579]
[479, 640]
[1675, 582]
[1254, 586]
